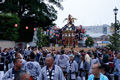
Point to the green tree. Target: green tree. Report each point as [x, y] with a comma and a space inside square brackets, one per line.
[8, 31]
[32, 13]
[112, 37]
[42, 39]
[89, 42]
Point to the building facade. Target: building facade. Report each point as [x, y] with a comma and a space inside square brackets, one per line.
[104, 29]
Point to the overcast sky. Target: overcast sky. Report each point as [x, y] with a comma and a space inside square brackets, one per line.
[88, 12]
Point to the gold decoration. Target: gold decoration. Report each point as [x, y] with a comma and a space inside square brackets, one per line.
[67, 29]
[69, 25]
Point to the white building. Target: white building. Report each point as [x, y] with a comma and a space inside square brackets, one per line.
[99, 33]
[104, 29]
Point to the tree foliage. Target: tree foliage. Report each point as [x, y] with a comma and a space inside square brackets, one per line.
[32, 13]
[42, 39]
[112, 37]
[7, 29]
[89, 42]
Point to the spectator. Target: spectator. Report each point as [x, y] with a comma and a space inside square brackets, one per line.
[103, 71]
[111, 58]
[105, 57]
[105, 60]
[96, 73]
[117, 68]
[11, 73]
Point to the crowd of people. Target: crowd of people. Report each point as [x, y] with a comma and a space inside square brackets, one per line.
[44, 64]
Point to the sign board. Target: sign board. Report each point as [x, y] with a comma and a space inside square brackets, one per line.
[106, 42]
[56, 45]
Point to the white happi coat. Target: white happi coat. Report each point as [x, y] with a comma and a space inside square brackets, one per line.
[58, 74]
[74, 69]
[34, 68]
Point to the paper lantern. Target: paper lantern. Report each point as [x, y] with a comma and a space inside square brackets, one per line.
[47, 30]
[16, 25]
[83, 31]
[53, 33]
[34, 29]
[26, 27]
[55, 28]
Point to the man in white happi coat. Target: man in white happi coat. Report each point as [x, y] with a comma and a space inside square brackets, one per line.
[72, 68]
[51, 71]
[18, 55]
[62, 60]
[33, 67]
[11, 73]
